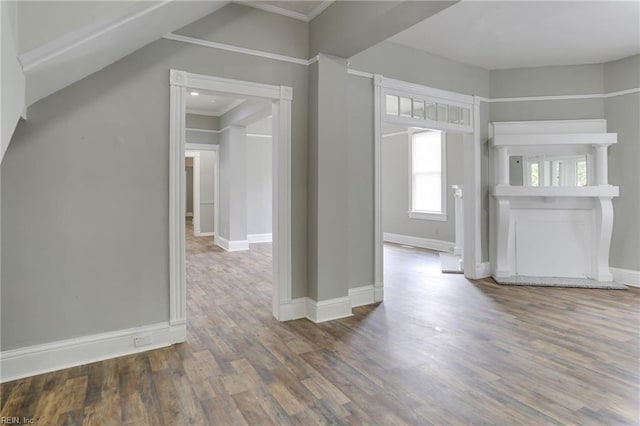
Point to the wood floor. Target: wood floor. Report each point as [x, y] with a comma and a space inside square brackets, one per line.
[439, 350]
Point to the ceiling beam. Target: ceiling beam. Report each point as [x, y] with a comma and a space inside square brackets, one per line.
[349, 27]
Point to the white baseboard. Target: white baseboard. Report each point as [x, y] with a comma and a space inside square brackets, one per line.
[236, 245]
[327, 310]
[361, 296]
[426, 243]
[259, 238]
[293, 310]
[483, 270]
[626, 276]
[39, 359]
[204, 234]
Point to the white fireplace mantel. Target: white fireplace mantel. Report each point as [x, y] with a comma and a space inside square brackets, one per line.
[551, 231]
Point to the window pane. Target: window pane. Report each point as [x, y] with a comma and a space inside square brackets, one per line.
[430, 111]
[581, 173]
[426, 152]
[454, 114]
[418, 109]
[533, 174]
[428, 192]
[427, 171]
[405, 107]
[392, 105]
[466, 116]
[442, 112]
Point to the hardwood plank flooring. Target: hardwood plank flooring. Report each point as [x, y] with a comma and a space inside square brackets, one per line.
[440, 350]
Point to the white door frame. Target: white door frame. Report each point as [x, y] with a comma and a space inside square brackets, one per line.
[280, 97]
[472, 212]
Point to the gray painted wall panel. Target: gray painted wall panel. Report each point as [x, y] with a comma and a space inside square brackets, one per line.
[71, 215]
[207, 191]
[360, 182]
[259, 185]
[199, 121]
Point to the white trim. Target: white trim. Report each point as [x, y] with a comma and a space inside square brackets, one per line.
[274, 9]
[361, 296]
[427, 243]
[563, 97]
[388, 135]
[236, 245]
[201, 147]
[192, 129]
[327, 310]
[280, 97]
[626, 276]
[235, 49]
[259, 238]
[286, 12]
[483, 270]
[38, 359]
[359, 73]
[313, 60]
[294, 309]
[439, 217]
[258, 135]
[204, 234]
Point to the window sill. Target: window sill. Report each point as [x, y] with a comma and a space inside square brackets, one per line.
[440, 217]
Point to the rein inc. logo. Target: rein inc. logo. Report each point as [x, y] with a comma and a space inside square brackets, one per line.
[14, 420]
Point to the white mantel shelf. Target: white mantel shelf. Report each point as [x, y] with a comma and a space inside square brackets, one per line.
[604, 191]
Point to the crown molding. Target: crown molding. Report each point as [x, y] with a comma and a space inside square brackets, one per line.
[286, 12]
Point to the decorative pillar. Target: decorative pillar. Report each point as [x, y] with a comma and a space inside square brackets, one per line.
[503, 166]
[602, 168]
[458, 191]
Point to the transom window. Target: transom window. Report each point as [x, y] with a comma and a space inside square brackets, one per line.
[428, 110]
[428, 175]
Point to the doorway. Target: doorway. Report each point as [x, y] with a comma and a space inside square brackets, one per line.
[407, 105]
[279, 97]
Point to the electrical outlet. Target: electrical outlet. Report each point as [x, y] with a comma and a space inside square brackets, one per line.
[142, 341]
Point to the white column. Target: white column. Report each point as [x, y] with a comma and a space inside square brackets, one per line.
[459, 219]
[602, 169]
[503, 166]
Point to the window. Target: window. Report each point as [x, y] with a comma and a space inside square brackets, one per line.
[428, 175]
[556, 171]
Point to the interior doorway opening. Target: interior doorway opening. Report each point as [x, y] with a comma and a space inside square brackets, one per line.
[259, 102]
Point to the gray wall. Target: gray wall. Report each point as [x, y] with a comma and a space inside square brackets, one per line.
[94, 152]
[259, 185]
[207, 190]
[328, 153]
[395, 189]
[623, 117]
[199, 121]
[360, 181]
[232, 211]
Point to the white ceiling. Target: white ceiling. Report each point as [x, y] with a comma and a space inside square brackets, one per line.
[302, 10]
[516, 34]
[210, 104]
